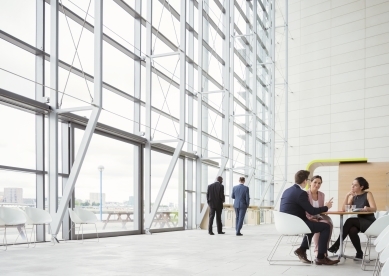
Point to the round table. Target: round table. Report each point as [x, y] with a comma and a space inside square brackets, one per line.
[341, 213]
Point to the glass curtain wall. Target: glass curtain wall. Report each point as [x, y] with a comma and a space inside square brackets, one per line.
[187, 89]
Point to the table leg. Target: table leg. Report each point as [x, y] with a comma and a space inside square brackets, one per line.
[105, 224]
[340, 237]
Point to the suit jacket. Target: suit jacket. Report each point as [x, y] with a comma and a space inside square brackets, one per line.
[320, 198]
[241, 195]
[295, 201]
[215, 195]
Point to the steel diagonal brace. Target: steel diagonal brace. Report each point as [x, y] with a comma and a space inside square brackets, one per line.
[150, 217]
[69, 188]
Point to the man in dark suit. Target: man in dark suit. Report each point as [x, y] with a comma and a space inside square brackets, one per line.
[215, 199]
[242, 200]
[295, 201]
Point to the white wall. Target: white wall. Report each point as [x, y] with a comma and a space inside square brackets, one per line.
[339, 78]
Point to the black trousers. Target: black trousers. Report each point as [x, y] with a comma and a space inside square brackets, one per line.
[317, 227]
[212, 212]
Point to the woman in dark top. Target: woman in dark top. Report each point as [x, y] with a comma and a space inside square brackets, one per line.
[362, 199]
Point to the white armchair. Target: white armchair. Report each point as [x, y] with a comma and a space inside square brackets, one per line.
[81, 217]
[34, 217]
[11, 217]
[287, 225]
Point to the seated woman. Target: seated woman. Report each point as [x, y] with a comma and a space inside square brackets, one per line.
[317, 200]
[361, 198]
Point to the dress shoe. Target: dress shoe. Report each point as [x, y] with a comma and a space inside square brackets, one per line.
[359, 256]
[221, 233]
[211, 233]
[239, 234]
[326, 261]
[333, 249]
[302, 256]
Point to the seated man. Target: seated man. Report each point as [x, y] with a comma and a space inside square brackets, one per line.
[295, 201]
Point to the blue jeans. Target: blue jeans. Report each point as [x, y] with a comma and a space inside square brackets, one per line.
[240, 213]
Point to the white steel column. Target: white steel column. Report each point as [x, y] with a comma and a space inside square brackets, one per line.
[230, 36]
[190, 163]
[138, 216]
[272, 110]
[248, 87]
[199, 164]
[254, 92]
[39, 118]
[137, 67]
[286, 144]
[226, 100]
[97, 102]
[147, 151]
[53, 116]
[182, 52]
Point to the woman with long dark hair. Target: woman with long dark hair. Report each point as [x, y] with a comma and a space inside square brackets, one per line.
[364, 200]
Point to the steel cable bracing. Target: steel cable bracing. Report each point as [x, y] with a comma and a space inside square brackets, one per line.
[165, 100]
[140, 50]
[213, 38]
[214, 41]
[76, 51]
[159, 24]
[159, 81]
[116, 114]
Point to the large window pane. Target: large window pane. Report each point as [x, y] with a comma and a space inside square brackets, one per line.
[17, 139]
[118, 211]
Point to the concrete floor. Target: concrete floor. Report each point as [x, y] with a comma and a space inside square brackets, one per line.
[191, 252]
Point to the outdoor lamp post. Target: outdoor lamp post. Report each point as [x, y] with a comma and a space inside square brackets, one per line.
[101, 168]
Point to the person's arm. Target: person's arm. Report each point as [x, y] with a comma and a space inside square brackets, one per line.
[372, 204]
[233, 193]
[248, 196]
[348, 200]
[306, 205]
[208, 194]
[223, 198]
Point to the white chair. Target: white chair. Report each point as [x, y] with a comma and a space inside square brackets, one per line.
[11, 217]
[34, 217]
[288, 225]
[380, 247]
[385, 269]
[381, 235]
[379, 214]
[383, 256]
[373, 231]
[81, 217]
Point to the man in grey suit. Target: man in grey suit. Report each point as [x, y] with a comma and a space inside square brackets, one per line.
[242, 200]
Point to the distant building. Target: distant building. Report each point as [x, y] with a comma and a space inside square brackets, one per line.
[13, 195]
[1, 196]
[131, 201]
[95, 198]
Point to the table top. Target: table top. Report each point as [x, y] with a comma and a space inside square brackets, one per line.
[346, 213]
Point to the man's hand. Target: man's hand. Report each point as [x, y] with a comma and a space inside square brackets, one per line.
[329, 203]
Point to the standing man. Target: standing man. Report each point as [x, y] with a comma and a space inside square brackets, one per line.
[242, 200]
[295, 201]
[215, 199]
